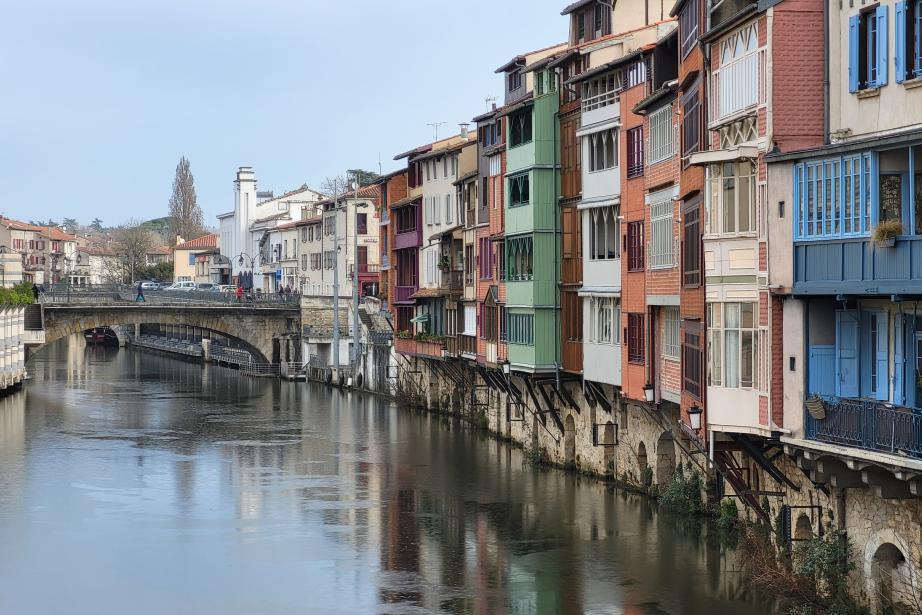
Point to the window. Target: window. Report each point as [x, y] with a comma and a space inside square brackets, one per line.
[662, 239]
[671, 333]
[361, 223]
[315, 261]
[635, 246]
[521, 329]
[486, 260]
[304, 262]
[636, 73]
[635, 338]
[733, 348]
[406, 219]
[604, 320]
[520, 124]
[733, 198]
[601, 91]
[448, 210]
[515, 80]
[518, 259]
[328, 224]
[444, 166]
[691, 122]
[519, 190]
[738, 81]
[604, 233]
[832, 198]
[635, 152]
[603, 150]
[867, 49]
[328, 259]
[691, 244]
[688, 26]
[908, 49]
[661, 135]
[580, 26]
[691, 359]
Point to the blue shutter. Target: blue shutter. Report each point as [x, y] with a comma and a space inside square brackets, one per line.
[899, 55]
[853, 51]
[899, 361]
[847, 354]
[882, 60]
[882, 356]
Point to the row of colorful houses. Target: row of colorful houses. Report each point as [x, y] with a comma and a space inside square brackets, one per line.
[710, 211]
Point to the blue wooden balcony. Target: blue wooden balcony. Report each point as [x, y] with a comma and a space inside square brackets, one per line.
[869, 425]
[858, 266]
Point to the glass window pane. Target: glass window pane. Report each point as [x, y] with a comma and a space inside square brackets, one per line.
[746, 354]
[731, 352]
[732, 315]
[729, 205]
[747, 313]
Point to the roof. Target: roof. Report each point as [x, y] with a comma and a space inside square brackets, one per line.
[371, 191]
[203, 242]
[520, 59]
[16, 225]
[465, 177]
[426, 293]
[97, 251]
[55, 234]
[604, 68]
[407, 201]
[303, 188]
[666, 91]
[160, 250]
[440, 145]
[576, 5]
[447, 150]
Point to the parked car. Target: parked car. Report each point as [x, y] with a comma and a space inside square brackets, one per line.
[206, 286]
[150, 286]
[225, 288]
[184, 286]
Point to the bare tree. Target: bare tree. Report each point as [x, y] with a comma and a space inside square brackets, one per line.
[186, 219]
[132, 243]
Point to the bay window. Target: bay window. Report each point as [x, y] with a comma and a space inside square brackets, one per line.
[733, 198]
[518, 259]
[521, 329]
[733, 345]
[604, 320]
[832, 197]
[739, 79]
[520, 127]
[519, 190]
[604, 233]
[603, 150]
[601, 91]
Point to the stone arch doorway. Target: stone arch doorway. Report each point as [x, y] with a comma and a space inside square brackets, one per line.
[569, 440]
[642, 463]
[665, 458]
[803, 530]
[889, 577]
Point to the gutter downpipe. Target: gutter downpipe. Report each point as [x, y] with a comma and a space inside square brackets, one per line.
[826, 71]
[558, 273]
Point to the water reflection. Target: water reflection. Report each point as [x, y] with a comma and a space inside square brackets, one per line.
[134, 482]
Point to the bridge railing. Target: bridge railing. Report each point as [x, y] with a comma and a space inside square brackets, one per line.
[115, 293]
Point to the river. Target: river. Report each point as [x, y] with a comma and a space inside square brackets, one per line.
[138, 483]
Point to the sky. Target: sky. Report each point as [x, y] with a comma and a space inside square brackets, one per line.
[100, 98]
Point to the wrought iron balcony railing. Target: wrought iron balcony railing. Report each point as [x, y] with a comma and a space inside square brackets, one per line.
[869, 425]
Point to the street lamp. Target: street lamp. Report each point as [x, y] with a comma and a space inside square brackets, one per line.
[694, 417]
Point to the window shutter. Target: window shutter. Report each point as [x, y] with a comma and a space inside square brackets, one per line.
[853, 53]
[899, 59]
[882, 60]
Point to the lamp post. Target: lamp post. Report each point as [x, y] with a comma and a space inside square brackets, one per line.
[507, 368]
[335, 367]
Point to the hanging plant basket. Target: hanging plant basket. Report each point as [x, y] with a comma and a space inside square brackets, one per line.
[816, 407]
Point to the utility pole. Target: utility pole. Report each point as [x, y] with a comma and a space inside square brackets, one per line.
[335, 369]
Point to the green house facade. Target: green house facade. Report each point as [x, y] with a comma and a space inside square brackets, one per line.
[532, 233]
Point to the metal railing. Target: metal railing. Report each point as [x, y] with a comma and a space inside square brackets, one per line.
[115, 293]
[869, 425]
[261, 369]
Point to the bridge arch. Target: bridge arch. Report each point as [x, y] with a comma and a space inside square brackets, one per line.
[256, 327]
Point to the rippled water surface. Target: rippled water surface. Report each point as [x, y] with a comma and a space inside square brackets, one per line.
[134, 483]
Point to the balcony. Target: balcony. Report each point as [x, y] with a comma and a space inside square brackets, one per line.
[404, 294]
[453, 280]
[467, 345]
[857, 265]
[431, 348]
[868, 425]
[365, 269]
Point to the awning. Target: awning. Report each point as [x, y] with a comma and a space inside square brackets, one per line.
[723, 155]
[422, 318]
[595, 203]
[599, 291]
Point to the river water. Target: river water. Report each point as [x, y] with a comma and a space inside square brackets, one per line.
[135, 483]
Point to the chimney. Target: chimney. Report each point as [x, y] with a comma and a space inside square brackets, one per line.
[464, 126]
[179, 240]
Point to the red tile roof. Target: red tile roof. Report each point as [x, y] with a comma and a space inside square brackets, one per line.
[199, 243]
[56, 234]
[16, 225]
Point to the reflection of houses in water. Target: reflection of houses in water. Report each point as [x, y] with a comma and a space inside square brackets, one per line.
[12, 446]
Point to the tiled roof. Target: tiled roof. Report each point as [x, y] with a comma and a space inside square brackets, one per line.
[16, 225]
[56, 234]
[371, 191]
[205, 241]
[160, 250]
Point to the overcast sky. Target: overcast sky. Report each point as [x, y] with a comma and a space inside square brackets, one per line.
[100, 98]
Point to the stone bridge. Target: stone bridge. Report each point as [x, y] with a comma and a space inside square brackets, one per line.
[259, 327]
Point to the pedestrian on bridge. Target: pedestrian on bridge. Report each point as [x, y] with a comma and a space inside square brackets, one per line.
[35, 292]
[140, 296]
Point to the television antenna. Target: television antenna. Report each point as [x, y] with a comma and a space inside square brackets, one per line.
[435, 129]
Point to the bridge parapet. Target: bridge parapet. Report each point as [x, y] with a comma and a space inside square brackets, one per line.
[114, 294]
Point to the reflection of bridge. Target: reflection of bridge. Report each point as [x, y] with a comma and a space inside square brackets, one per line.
[259, 322]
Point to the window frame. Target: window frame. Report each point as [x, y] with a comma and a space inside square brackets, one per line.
[662, 232]
[722, 330]
[636, 350]
[688, 27]
[604, 219]
[522, 129]
[635, 153]
[603, 150]
[635, 245]
[691, 250]
[523, 182]
[662, 135]
[717, 214]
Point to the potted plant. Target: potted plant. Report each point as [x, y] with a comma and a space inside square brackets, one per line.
[443, 263]
[816, 407]
[885, 233]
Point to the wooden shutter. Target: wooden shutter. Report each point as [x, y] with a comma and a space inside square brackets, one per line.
[882, 63]
[853, 51]
[900, 58]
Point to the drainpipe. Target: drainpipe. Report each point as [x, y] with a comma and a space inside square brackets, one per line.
[557, 238]
[826, 72]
